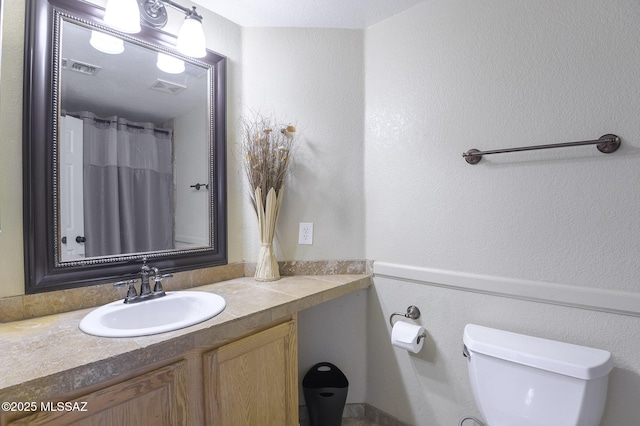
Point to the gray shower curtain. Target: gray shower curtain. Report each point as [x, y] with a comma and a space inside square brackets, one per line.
[128, 186]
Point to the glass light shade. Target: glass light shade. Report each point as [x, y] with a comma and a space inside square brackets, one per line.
[123, 15]
[106, 43]
[191, 41]
[170, 64]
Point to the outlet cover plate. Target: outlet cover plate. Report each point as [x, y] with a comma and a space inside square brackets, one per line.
[305, 233]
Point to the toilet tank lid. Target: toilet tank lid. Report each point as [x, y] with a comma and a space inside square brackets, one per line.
[562, 358]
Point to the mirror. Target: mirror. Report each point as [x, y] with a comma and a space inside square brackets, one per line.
[124, 151]
[132, 149]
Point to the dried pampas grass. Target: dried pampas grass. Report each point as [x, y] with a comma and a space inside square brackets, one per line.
[267, 149]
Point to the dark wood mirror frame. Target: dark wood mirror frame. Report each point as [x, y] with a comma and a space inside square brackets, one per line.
[43, 272]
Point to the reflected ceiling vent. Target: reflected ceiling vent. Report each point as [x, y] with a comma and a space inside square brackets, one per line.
[80, 67]
[167, 87]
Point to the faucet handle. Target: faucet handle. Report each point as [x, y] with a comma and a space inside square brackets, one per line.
[162, 277]
[131, 293]
[157, 288]
[125, 282]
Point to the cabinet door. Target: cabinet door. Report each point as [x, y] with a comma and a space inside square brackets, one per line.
[254, 381]
[153, 399]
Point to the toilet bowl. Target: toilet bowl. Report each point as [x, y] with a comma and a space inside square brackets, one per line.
[520, 380]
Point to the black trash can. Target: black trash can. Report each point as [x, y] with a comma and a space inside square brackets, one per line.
[325, 390]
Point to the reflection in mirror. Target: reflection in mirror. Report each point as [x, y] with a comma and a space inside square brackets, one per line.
[133, 138]
[124, 150]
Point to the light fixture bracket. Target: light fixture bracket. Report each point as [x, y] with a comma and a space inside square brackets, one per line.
[193, 14]
[153, 13]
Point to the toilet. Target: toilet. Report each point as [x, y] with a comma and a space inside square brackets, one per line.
[520, 380]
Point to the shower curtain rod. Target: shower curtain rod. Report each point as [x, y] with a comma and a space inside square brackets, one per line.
[606, 144]
[131, 126]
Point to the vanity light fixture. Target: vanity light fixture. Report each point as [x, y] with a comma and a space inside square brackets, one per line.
[170, 64]
[126, 15]
[191, 40]
[123, 15]
[106, 43]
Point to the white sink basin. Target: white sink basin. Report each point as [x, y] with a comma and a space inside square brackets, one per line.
[174, 311]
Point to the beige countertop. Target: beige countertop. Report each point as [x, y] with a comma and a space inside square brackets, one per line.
[50, 355]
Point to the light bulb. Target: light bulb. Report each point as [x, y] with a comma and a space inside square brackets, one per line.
[106, 43]
[191, 41]
[170, 64]
[123, 15]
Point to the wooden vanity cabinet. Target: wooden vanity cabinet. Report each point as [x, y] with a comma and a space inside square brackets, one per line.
[251, 381]
[254, 381]
[155, 398]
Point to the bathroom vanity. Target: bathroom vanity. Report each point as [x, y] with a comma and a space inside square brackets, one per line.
[239, 367]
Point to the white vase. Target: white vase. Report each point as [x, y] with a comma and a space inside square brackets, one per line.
[267, 264]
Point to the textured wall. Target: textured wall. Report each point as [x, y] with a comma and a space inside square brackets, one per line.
[312, 77]
[447, 76]
[11, 269]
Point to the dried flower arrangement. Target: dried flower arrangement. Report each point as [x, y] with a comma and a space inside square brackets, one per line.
[267, 148]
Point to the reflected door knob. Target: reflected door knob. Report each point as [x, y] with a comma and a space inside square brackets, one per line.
[64, 240]
[80, 239]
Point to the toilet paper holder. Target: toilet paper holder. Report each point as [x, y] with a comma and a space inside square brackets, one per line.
[412, 313]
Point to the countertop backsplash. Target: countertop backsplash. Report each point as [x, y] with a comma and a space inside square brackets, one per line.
[28, 306]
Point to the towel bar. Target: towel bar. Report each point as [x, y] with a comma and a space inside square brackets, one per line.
[606, 144]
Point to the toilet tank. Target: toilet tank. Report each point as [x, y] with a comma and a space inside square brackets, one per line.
[528, 381]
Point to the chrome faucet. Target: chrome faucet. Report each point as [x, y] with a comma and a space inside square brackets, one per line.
[145, 289]
[145, 271]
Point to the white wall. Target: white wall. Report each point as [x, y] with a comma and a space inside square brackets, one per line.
[11, 248]
[313, 78]
[447, 76]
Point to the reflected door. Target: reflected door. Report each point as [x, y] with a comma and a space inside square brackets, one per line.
[71, 187]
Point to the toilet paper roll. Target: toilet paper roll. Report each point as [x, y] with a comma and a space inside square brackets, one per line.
[405, 336]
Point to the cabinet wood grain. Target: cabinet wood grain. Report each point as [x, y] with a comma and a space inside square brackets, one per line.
[156, 398]
[250, 381]
[253, 381]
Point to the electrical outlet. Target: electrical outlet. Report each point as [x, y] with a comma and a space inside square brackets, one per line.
[305, 235]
